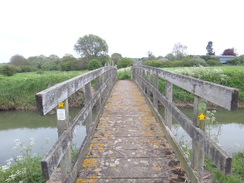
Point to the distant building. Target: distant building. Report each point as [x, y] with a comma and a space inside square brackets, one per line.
[224, 58]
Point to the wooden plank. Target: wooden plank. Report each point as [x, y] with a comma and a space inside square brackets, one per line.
[220, 95]
[48, 99]
[217, 155]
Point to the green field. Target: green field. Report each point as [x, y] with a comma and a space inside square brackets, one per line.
[18, 91]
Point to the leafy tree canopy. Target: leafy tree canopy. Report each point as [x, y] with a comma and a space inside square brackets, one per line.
[229, 51]
[18, 60]
[209, 48]
[91, 46]
[94, 64]
[124, 62]
[115, 57]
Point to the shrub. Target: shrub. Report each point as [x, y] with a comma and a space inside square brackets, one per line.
[153, 63]
[39, 71]
[124, 62]
[213, 62]
[193, 61]
[27, 68]
[66, 66]
[124, 74]
[24, 167]
[8, 70]
[94, 64]
[236, 61]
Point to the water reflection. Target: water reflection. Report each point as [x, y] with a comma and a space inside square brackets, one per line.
[227, 131]
[24, 125]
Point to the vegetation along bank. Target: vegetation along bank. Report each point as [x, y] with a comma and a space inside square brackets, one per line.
[18, 91]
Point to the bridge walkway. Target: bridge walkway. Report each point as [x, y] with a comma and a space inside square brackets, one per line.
[129, 145]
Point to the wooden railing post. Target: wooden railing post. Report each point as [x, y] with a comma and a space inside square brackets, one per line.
[88, 97]
[148, 79]
[98, 85]
[140, 80]
[155, 100]
[199, 122]
[169, 96]
[63, 124]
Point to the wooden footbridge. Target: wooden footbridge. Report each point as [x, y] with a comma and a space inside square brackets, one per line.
[127, 140]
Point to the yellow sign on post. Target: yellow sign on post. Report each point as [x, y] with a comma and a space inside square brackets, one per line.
[61, 105]
[201, 117]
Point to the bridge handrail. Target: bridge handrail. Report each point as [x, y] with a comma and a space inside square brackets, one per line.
[48, 99]
[223, 96]
[58, 151]
[141, 75]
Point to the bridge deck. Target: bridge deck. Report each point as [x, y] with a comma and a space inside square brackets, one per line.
[128, 145]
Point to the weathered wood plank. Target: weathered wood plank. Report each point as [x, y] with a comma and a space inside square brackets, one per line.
[220, 95]
[217, 155]
[48, 99]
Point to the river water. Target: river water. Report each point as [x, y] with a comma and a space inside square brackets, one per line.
[24, 125]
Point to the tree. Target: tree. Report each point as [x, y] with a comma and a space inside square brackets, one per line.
[170, 57]
[209, 48]
[179, 49]
[94, 64]
[91, 46]
[150, 55]
[229, 51]
[115, 57]
[124, 62]
[18, 60]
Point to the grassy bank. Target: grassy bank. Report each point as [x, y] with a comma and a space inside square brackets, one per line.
[18, 91]
[237, 170]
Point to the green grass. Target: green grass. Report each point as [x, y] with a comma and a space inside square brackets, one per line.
[18, 91]
[124, 74]
[237, 170]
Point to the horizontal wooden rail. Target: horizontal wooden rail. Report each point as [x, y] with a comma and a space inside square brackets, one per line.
[206, 90]
[48, 99]
[220, 95]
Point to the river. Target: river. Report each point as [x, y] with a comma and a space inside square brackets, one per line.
[24, 125]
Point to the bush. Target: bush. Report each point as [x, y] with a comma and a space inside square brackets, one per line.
[27, 68]
[23, 168]
[193, 61]
[94, 64]
[236, 61]
[175, 63]
[8, 70]
[39, 71]
[124, 74]
[153, 63]
[213, 62]
[124, 62]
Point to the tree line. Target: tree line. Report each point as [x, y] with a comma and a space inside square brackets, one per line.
[93, 52]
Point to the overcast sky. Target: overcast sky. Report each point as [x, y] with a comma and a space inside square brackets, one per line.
[130, 27]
